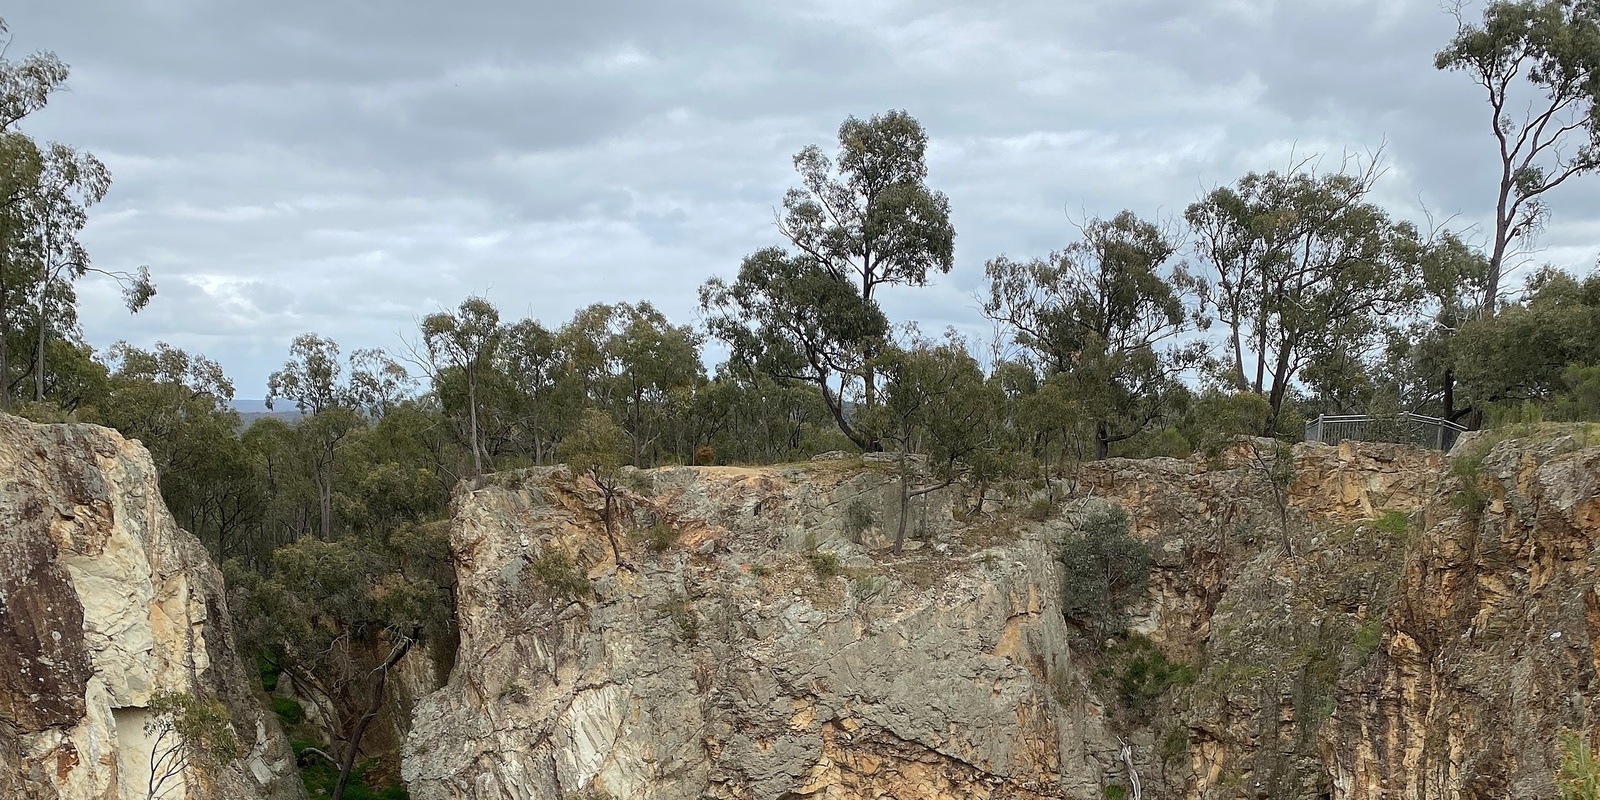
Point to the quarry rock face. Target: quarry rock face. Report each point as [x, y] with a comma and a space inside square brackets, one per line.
[1320, 622]
[1493, 650]
[104, 603]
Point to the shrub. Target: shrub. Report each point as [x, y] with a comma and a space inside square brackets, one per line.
[1105, 570]
[857, 519]
[705, 455]
[1468, 466]
[1578, 777]
[1041, 509]
[760, 570]
[1367, 638]
[288, 710]
[680, 610]
[661, 537]
[826, 565]
[560, 579]
[1143, 674]
[1395, 522]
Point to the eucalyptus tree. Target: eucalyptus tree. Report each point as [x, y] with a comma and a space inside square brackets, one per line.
[598, 450]
[334, 403]
[859, 221]
[56, 209]
[1103, 318]
[936, 402]
[466, 342]
[639, 367]
[1538, 64]
[26, 85]
[177, 404]
[1301, 265]
[537, 392]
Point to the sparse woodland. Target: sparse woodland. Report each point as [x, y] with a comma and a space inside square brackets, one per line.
[1287, 293]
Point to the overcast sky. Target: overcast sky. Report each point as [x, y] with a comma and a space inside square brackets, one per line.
[346, 166]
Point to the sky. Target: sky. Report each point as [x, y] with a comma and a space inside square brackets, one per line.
[346, 167]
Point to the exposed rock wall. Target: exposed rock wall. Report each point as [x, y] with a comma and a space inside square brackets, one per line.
[1495, 643]
[1334, 624]
[104, 602]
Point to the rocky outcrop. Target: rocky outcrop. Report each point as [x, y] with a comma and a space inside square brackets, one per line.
[104, 603]
[735, 663]
[1346, 622]
[1494, 645]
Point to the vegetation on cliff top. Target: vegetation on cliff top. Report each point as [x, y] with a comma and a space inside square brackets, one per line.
[1276, 297]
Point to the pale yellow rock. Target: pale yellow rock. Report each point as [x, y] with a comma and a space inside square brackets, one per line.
[104, 602]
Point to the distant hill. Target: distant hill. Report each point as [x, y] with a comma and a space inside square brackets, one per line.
[251, 410]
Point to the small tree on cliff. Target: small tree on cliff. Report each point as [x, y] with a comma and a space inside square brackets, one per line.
[598, 449]
[185, 731]
[1105, 570]
[935, 402]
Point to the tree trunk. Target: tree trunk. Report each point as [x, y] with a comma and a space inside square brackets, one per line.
[325, 494]
[1502, 238]
[611, 535]
[38, 365]
[1449, 394]
[5, 336]
[905, 505]
[472, 424]
[373, 706]
[1102, 441]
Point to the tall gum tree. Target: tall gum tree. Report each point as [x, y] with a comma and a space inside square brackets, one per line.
[1300, 264]
[1102, 319]
[1538, 64]
[862, 219]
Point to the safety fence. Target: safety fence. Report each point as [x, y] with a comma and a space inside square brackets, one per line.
[1407, 428]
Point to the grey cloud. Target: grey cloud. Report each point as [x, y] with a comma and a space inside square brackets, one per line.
[347, 166]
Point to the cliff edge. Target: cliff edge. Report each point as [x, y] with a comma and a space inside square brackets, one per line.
[104, 605]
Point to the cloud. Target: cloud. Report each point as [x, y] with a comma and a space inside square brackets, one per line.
[346, 168]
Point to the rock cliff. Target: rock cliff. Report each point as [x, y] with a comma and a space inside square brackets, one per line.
[104, 603]
[1358, 621]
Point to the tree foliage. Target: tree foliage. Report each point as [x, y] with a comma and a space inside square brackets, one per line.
[1105, 570]
[1538, 63]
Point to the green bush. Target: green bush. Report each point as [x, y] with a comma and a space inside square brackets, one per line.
[1395, 522]
[1578, 777]
[1041, 509]
[661, 537]
[320, 778]
[826, 565]
[269, 671]
[560, 579]
[680, 610]
[1142, 674]
[288, 710]
[1105, 570]
[1468, 466]
[1368, 637]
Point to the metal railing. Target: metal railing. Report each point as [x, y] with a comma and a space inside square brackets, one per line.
[1405, 427]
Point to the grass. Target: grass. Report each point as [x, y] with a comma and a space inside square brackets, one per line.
[288, 710]
[661, 537]
[680, 610]
[1394, 522]
[825, 565]
[320, 778]
[1368, 636]
[857, 519]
